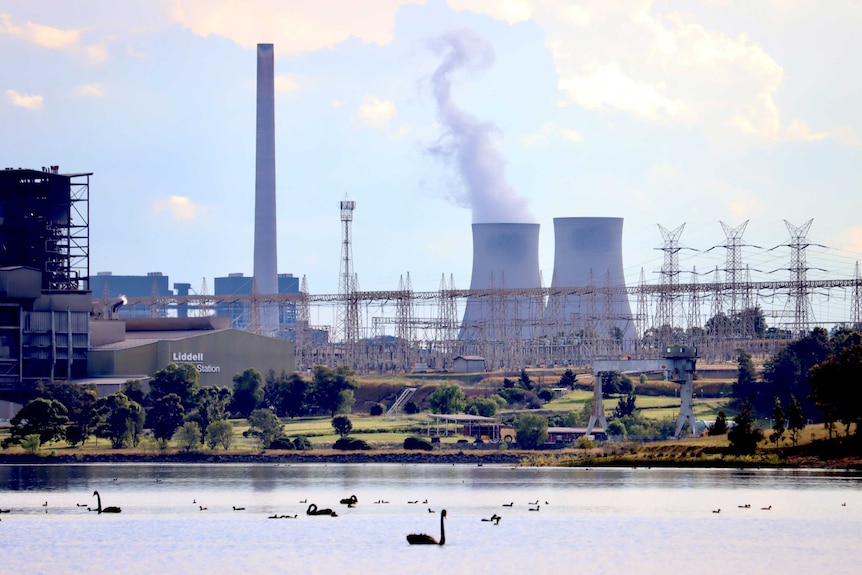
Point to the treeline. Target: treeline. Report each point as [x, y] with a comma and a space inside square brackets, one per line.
[818, 377]
[176, 406]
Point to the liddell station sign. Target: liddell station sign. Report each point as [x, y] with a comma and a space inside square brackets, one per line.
[196, 359]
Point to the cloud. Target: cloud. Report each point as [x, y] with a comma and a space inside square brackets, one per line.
[179, 207]
[664, 67]
[511, 11]
[89, 90]
[376, 113]
[29, 101]
[53, 38]
[550, 131]
[337, 104]
[286, 84]
[294, 26]
[741, 203]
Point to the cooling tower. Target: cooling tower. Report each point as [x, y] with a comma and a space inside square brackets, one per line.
[588, 252]
[504, 256]
[265, 254]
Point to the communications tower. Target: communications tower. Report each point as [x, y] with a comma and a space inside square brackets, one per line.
[347, 314]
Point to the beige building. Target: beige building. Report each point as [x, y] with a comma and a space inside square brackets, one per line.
[137, 348]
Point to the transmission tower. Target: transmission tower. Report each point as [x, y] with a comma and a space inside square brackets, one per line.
[669, 305]
[856, 303]
[733, 264]
[797, 302]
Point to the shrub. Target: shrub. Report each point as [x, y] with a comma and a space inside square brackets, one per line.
[418, 443]
[351, 444]
[411, 407]
[301, 443]
[376, 409]
[282, 442]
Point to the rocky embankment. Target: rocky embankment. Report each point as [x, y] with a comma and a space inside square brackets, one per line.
[274, 457]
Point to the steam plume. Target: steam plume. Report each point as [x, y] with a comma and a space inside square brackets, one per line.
[467, 143]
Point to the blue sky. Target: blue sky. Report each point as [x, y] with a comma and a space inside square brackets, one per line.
[659, 112]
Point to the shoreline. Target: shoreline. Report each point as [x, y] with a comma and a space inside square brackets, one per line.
[520, 459]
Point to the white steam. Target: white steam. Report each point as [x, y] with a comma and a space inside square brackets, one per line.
[466, 143]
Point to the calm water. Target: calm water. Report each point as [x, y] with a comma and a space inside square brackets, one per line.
[602, 521]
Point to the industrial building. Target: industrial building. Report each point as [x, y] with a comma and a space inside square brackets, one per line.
[52, 328]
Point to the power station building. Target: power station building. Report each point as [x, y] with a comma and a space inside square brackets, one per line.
[53, 329]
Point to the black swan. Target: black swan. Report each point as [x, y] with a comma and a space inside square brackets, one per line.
[235, 508]
[313, 510]
[495, 518]
[423, 539]
[352, 500]
[99, 508]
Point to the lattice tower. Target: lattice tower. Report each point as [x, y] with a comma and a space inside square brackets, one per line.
[205, 307]
[733, 264]
[694, 319]
[303, 330]
[404, 328]
[798, 302]
[642, 315]
[346, 319]
[669, 304]
[856, 303]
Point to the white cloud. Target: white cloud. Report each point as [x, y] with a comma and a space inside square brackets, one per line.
[292, 25]
[89, 90]
[550, 131]
[642, 58]
[337, 104]
[53, 38]
[179, 207]
[29, 101]
[286, 84]
[511, 11]
[376, 113]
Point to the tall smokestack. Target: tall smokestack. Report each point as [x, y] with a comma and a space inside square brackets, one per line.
[504, 256]
[588, 252]
[265, 252]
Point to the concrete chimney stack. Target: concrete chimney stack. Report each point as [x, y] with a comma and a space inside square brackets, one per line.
[265, 244]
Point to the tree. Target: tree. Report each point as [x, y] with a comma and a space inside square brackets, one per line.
[625, 405]
[744, 435]
[296, 394]
[342, 425]
[835, 388]
[746, 376]
[525, 381]
[31, 443]
[333, 388]
[43, 417]
[121, 420]
[531, 430]
[616, 429]
[133, 389]
[179, 379]
[211, 405]
[188, 436]
[219, 433]
[447, 398]
[614, 382]
[568, 379]
[264, 425]
[778, 422]
[720, 425]
[795, 420]
[411, 407]
[484, 406]
[165, 416]
[247, 392]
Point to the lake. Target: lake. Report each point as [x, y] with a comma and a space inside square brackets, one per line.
[599, 520]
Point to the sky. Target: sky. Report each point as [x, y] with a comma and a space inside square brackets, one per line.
[432, 115]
